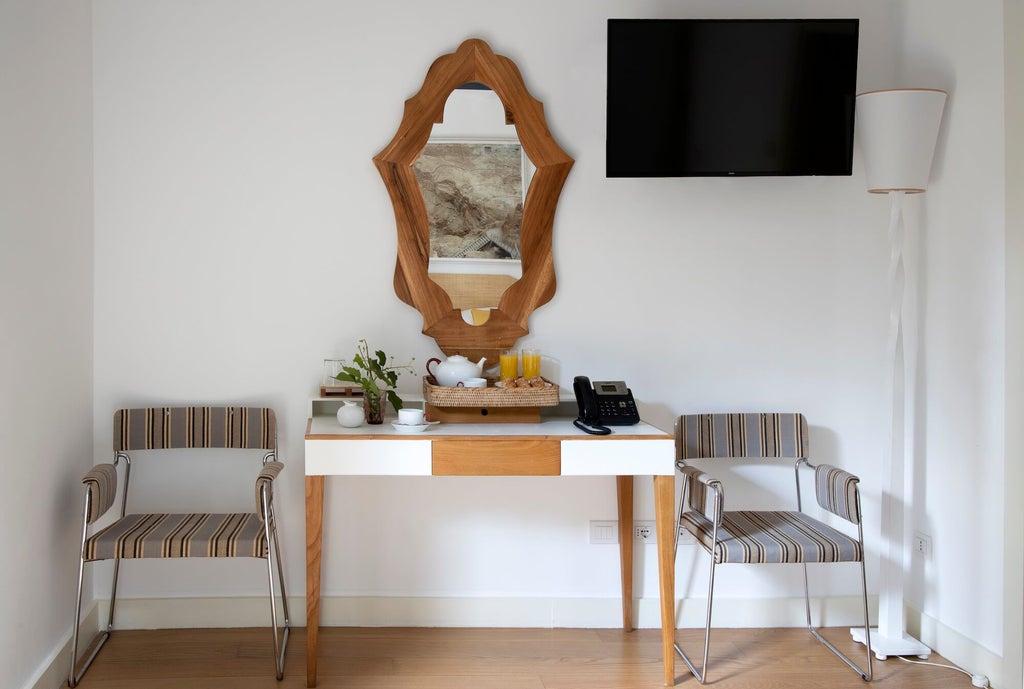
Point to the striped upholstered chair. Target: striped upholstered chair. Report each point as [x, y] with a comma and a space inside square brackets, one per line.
[148, 535]
[765, 536]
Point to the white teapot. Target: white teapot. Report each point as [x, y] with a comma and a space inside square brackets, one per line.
[455, 369]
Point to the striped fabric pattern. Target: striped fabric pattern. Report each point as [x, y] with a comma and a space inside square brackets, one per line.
[706, 436]
[179, 535]
[699, 496]
[836, 491]
[772, 538]
[153, 428]
[101, 482]
[266, 478]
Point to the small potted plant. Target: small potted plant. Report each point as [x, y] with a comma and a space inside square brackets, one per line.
[377, 375]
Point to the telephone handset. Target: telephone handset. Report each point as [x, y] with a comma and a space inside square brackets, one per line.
[605, 403]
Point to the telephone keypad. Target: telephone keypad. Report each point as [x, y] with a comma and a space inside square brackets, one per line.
[617, 408]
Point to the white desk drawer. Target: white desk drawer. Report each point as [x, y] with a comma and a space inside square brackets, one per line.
[609, 457]
[368, 458]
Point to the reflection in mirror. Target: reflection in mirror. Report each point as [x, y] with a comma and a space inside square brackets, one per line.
[473, 174]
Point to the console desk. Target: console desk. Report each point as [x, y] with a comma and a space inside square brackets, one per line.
[552, 447]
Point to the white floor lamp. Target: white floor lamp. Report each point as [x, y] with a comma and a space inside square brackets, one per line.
[897, 130]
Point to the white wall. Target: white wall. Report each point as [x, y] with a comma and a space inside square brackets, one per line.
[243, 235]
[1013, 584]
[233, 167]
[46, 304]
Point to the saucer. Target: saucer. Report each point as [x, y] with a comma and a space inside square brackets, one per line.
[411, 428]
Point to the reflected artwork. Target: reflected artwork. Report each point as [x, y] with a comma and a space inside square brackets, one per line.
[474, 198]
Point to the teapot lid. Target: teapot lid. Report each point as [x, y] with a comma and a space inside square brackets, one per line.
[457, 357]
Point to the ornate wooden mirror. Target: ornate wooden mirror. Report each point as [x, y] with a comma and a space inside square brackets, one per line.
[441, 306]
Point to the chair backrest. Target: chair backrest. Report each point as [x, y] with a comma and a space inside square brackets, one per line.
[161, 428]
[708, 436]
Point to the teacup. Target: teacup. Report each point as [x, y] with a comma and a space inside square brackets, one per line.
[410, 417]
[475, 383]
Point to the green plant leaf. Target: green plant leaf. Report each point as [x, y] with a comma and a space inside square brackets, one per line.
[395, 400]
[374, 373]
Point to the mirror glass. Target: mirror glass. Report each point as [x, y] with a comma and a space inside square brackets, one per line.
[474, 174]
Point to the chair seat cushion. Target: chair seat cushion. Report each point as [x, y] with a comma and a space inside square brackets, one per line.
[179, 535]
[772, 537]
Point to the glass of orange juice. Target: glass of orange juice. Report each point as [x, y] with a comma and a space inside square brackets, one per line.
[531, 363]
[509, 361]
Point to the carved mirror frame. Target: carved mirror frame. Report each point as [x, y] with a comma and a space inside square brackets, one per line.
[474, 61]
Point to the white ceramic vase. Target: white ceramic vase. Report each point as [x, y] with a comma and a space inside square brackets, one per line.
[351, 415]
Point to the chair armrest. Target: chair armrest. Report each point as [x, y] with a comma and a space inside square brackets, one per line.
[836, 491]
[265, 482]
[704, 493]
[101, 489]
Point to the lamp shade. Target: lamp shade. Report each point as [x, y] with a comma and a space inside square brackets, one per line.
[897, 129]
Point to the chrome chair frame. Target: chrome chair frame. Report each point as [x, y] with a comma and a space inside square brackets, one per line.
[866, 676]
[714, 485]
[274, 549]
[718, 499]
[102, 636]
[269, 532]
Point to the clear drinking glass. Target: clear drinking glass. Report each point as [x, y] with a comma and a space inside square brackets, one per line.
[531, 363]
[509, 364]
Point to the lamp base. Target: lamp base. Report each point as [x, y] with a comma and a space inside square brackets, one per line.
[885, 646]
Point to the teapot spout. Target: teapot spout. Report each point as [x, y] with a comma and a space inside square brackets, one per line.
[480, 364]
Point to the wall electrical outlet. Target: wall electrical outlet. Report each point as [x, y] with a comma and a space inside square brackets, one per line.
[922, 545]
[644, 532]
[607, 532]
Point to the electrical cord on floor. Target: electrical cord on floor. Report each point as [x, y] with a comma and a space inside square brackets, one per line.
[976, 680]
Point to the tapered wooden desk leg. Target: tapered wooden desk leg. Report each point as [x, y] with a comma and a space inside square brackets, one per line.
[314, 545]
[624, 491]
[664, 497]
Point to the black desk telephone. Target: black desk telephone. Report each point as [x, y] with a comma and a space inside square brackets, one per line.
[606, 403]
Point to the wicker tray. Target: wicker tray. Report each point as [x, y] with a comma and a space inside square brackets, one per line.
[491, 396]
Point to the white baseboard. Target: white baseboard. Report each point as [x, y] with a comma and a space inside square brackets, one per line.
[421, 611]
[53, 672]
[956, 647]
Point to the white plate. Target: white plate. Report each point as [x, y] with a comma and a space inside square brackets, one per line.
[409, 428]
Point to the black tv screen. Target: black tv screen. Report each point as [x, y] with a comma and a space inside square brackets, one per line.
[719, 97]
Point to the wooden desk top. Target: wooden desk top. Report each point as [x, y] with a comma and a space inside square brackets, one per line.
[328, 428]
[552, 447]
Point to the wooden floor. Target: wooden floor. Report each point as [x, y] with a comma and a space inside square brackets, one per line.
[424, 658]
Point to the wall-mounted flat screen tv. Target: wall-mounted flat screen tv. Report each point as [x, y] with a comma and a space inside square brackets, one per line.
[722, 97]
